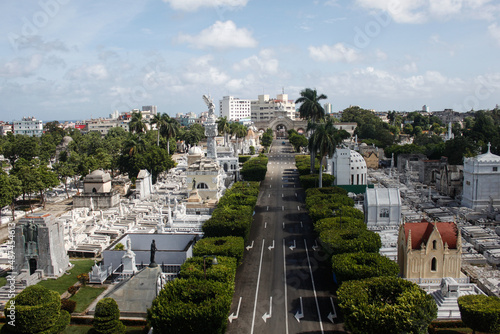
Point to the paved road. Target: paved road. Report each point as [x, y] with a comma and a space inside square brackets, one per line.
[283, 285]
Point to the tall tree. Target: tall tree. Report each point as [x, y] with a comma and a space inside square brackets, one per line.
[324, 142]
[170, 129]
[311, 108]
[137, 124]
[10, 189]
[64, 171]
[223, 128]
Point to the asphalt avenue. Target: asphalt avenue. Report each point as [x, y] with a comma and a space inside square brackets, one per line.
[284, 284]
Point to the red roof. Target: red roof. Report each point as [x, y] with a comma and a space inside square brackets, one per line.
[421, 231]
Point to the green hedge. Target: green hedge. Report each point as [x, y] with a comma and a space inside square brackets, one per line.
[480, 313]
[303, 164]
[350, 241]
[255, 169]
[107, 317]
[322, 206]
[224, 246]
[243, 158]
[353, 266]
[312, 180]
[385, 305]
[37, 310]
[188, 306]
[335, 224]
[224, 271]
[229, 221]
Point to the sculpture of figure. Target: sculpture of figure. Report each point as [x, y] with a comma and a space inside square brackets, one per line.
[152, 262]
[194, 183]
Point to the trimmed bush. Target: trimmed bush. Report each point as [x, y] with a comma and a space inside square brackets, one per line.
[107, 317]
[187, 306]
[325, 191]
[336, 224]
[303, 164]
[353, 266]
[480, 313]
[224, 246]
[37, 310]
[255, 169]
[68, 305]
[229, 221]
[224, 271]
[312, 180]
[385, 305]
[243, 158]
[350, 241]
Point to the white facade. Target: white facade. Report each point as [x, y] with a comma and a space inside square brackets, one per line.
[382, 207]
[264, 108]
[328, 108]
[233, 108]
[348, 167]
[481, 188]
[104, 125]
[29, 126]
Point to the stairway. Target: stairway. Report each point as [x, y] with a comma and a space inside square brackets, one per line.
[447, 306]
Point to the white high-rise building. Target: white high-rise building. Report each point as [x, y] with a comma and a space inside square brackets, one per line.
[29, 126]
[234, 108]
[264, 108]
[328, 108]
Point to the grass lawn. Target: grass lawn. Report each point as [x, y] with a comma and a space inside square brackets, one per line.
[65, 281]
[85, 296]
[3, 281]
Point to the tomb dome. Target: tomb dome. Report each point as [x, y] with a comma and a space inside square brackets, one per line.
[98, 176]
[357, 160]
[195, 150]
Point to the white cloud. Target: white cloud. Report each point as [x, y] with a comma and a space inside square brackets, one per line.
[200, 71]
[22, 67]
[264, 63]
[94, 72]
[192, 5]
[419, 11]
[335, 53]
[220, 35]
[494, 31]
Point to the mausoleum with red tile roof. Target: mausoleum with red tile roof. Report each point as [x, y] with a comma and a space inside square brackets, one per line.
[429, 250]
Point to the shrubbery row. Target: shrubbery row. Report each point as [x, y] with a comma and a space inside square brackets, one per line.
[200, 299]
[372, 298]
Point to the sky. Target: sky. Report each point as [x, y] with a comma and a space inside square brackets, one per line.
[73, 60]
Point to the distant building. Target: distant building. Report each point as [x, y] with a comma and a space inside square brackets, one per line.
[481, 188]
[347, 126]
[5, 128]
[234, 108]
[328, 108]
[29, 126]
[264, 109]
[103, 125]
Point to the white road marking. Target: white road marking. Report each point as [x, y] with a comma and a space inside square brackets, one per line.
[232, 316]
[257, 289]
[284, 271]
[314, 287]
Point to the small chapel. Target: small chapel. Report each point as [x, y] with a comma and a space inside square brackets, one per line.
[429, 250]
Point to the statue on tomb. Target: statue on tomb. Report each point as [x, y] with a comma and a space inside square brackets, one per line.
[152, 262]
[30, 235]
[194, 183]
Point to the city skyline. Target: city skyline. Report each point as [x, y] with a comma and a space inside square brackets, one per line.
[66, 60]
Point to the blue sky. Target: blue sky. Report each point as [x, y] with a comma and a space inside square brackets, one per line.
[62, 59]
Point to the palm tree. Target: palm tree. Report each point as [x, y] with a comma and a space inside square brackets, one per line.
[135, 145]
[241, 132]
[223, 127]
[323, 141]
[136, 123]
[159, 120]
[311, 110]
[170, 129]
